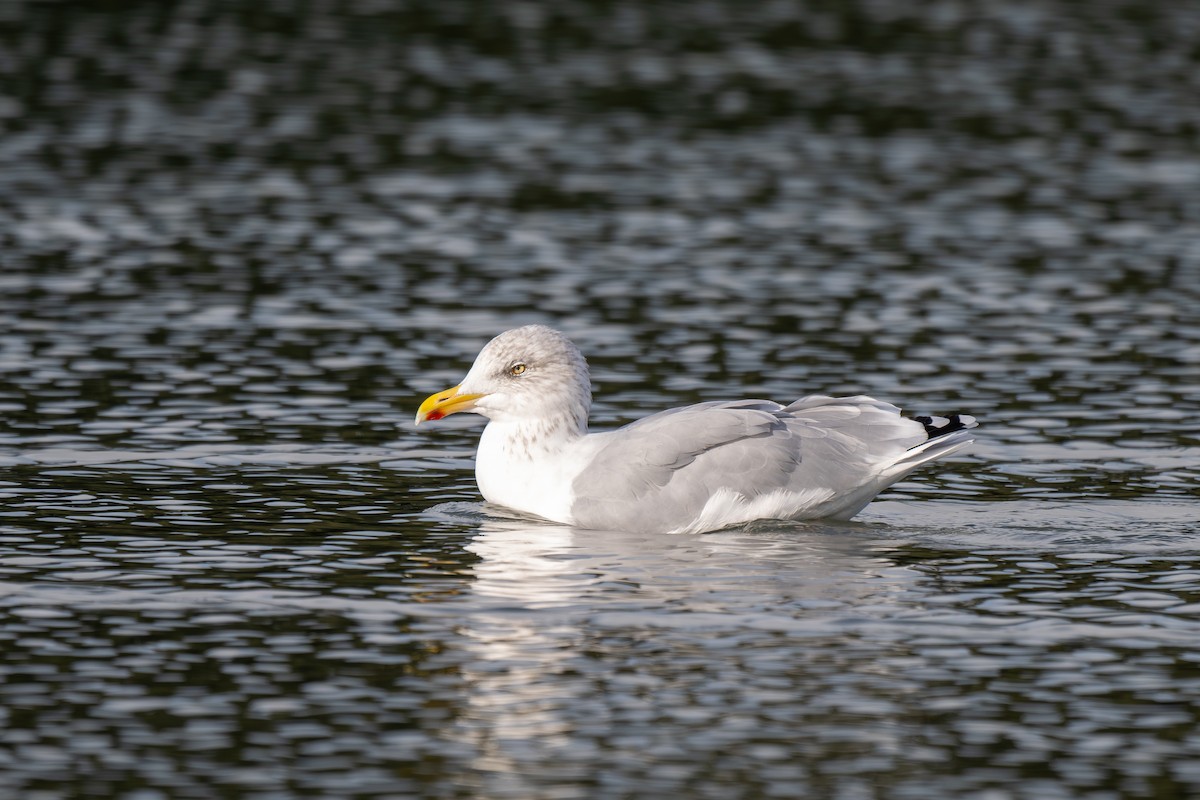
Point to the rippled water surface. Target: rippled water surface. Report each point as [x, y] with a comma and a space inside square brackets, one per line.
[240, 242]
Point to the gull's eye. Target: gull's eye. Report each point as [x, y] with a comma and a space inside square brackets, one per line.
[516, 369]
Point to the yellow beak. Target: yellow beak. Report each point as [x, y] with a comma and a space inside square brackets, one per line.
[445, 403]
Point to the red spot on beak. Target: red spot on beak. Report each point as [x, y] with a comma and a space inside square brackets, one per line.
[435, 414]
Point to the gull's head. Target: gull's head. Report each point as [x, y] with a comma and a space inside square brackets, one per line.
[532, 373]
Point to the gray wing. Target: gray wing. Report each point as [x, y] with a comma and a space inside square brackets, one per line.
[666, 467]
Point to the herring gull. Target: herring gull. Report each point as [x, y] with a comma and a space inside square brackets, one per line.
[697, 468]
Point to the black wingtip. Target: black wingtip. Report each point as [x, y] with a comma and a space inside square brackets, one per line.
[940, 426]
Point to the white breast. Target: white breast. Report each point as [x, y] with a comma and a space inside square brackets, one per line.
[524, 472]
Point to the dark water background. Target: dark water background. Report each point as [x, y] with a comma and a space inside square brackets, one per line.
[240, 241]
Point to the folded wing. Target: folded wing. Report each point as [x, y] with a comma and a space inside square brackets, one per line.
[722, 463]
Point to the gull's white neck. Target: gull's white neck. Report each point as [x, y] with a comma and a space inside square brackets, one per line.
[529, 464]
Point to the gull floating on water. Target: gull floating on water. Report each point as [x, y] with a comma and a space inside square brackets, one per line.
[687, 470]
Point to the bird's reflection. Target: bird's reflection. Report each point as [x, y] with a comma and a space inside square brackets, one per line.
[539, 565]
[552, 602]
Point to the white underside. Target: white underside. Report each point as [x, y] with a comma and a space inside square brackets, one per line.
[536, 483]
[727, 508]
